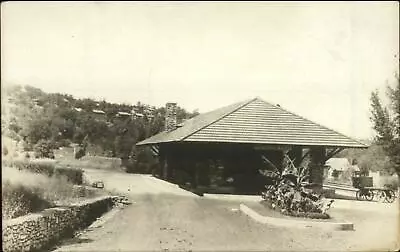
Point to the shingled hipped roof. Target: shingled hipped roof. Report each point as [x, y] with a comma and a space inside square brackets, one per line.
[254, 121]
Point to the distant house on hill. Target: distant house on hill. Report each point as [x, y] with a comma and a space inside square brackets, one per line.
[139, 115]
[123, 114]
[99, 114]
[37, 102]
[339, 168]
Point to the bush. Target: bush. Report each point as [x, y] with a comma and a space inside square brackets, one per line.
[5, 151]
[48, 168]
[141, 161]
[27, 146]
[288, 194]
[391, 182]
[58, 188]
[335, 174]
[44, 149]
[18, 200]
[45, 167]
[139, 167]
[80, 153]
[73, 175]
[24, 192]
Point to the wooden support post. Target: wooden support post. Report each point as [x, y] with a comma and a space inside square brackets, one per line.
[163, 158]
[165, 168]
[318, 156]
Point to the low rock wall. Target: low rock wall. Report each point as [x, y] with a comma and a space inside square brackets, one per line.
[38, 231]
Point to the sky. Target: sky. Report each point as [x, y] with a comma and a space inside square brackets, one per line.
[320, 60]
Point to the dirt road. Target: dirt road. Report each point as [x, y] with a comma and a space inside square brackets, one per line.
[133, 184]
[171, 222]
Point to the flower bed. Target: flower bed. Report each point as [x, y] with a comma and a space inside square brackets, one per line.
[291, 194]
[310, 215]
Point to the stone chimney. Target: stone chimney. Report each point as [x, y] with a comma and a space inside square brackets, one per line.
[170, 116]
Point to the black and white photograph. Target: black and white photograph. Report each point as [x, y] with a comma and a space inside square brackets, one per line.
[200, 126]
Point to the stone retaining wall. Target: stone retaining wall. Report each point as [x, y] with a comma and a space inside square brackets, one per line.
[38, 231]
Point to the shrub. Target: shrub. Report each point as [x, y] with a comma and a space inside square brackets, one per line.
[335, 174]
[287, 193]
[43, 149]
[73, 175]
[391, 182]
[141, 161]
[80, 153]
[47, 167]
[13, 135]
[128, 164]
[26, 146]
[5, 151]
[42, 166]
[24, 192]
[18, 200]
[58, 188]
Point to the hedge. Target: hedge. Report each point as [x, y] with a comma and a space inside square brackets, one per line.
[73, 175]
[45, 166]
[18, 200]
[48, 168]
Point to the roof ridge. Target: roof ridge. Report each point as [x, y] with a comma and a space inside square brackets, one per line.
[286, 110]
[245, 103]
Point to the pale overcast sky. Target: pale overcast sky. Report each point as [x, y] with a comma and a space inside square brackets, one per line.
[319, 60]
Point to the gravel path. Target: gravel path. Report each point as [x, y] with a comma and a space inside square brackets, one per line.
[170, 222]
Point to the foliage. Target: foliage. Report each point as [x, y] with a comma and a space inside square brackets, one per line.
[37, 117]
[381, 119]
[25, 192]
[142, 161]
[386, 123]
[4, 151]
[48, 168]
[45, 167]
[335, 174]
[91, 162]
[372, 159]
[73, 175]
[390, 182]
[288, 194]
[18, 200]
[80, 153]
[43, 149]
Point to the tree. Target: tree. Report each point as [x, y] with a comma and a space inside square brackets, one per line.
[37, 129]
[386, 123]
[44, 149]
[372, 159]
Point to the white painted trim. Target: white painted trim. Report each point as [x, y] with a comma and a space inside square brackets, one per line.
[233, 197]
[294, 223]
